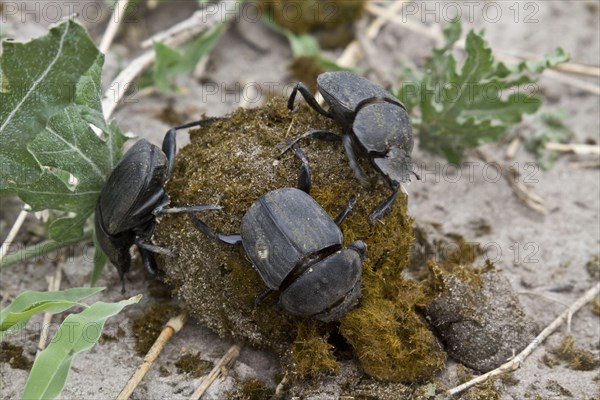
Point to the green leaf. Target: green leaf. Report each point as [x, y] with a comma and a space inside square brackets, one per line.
[78, 332]
[452, 33]
[549, 127]
[464, 107]
[38, 80]
[68, 229]
[49, 155]
[15, 316]
[557, 57]
[171, 62]
[303, 45]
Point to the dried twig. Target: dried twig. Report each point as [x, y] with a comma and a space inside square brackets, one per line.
[13, 233]
[512, 148]
[113, 25]
[580, 69]
[173, 326]
[517, 361]
[577, 148]
[434, 33]
[220, 369]
[53, 286]
[280, 389]
[191, 27]
[175, 36]
[522, 192]
[573, 68]
[586, 164]
[353, 53]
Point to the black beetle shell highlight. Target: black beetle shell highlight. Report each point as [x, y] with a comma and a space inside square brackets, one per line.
[282, 228]
[343, 91]
[138, 177]
[334, 281]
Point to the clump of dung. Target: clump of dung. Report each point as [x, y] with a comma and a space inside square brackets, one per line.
[234, 162]
[329, 20]
[475, 311]
[193, 365]
[148, 326]
[13, 355]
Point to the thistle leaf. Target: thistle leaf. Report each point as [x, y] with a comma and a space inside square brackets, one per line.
[464, 107]
[50, 155]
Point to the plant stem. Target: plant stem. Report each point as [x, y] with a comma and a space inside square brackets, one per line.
[220, 369]
[13, 232]
[173, 326]
[53, 286]
[40, 249]
[113, 25]
[181, 33]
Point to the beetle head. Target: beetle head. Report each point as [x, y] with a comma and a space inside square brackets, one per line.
[396, 166]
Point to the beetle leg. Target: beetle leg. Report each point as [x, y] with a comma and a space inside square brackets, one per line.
[345, 212]
[382, 209]
[148, 260]
[202, 227]
[304, 179]
[154, 248]
[154, 202]
[169, 145]
[327, 136]
[353, 159]
[308, 96]
[186, 209]
[262, 296]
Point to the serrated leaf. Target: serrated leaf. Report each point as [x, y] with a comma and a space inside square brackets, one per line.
[38, 79]
[549, 127]
[68, 229]
[557, 57]
[77, 333]
[171, 62]
[15, 316]
[57, 160]
[452, 33]
[464, 107]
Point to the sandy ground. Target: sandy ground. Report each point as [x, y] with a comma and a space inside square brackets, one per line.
[537, 253]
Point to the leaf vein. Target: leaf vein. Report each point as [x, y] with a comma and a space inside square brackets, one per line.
[41, 78]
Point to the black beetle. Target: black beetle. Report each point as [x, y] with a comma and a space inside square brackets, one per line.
[133, 197]
[374, 123]
[297, 250]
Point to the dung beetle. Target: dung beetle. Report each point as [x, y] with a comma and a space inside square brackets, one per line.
[133, 197]
[297, 250]
[375, 124]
